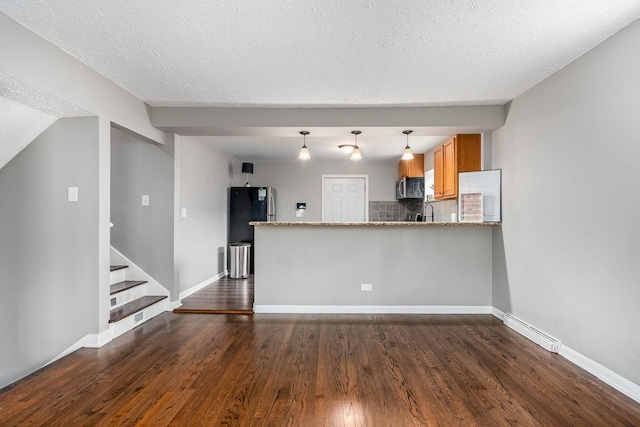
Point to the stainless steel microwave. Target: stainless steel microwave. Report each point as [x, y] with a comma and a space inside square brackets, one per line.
[410, 188]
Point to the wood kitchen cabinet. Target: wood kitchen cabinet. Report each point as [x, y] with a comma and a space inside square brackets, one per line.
[460, 153]
[412, 168]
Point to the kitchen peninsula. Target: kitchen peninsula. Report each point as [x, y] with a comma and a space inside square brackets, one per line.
[410, 267]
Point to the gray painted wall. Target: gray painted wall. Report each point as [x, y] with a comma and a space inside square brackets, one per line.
[566, 257]
[206, 174]
[49, 272]
[407, 266]
[302, 182]
[144, 234]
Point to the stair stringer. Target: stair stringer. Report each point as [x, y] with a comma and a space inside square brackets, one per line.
[134, 272]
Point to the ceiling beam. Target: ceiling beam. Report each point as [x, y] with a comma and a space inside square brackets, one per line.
[218, 121]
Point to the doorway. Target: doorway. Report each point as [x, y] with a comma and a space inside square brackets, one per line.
[345, 198]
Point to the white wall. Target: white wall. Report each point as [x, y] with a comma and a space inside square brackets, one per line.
[206, 174]
[49, 247]
[302, 182]
[566, 257]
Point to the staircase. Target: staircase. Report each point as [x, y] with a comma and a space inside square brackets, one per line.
[134, 296]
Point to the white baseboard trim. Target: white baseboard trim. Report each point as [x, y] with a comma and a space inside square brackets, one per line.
[616, 381]
[172, 305]
[201, 285]
[75, 346]
[98, 340]
[372, 309]
[497, 313]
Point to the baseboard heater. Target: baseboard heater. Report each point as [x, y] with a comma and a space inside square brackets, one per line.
[537, 336]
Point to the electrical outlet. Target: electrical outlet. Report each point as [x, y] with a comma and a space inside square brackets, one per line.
[367, 287]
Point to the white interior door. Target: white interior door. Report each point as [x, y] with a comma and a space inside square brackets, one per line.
[345, 199]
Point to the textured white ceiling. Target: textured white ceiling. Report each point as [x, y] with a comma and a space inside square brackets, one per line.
[25, 112]
[37, 99]
[319, 53]
[325, 52]
[19, 125]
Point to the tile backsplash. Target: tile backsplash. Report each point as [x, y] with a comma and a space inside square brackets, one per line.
[394, 210]
[398, 211]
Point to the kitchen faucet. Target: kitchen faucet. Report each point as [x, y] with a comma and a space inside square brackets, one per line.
[432, 213]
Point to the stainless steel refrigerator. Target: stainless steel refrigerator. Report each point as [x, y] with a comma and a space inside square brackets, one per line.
[249, 204]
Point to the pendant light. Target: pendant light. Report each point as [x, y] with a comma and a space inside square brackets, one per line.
[248, 169]
[304, 151]
[407, 154]
[355, 154]
[346, 148]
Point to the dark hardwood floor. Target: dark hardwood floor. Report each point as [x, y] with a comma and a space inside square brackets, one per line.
[316, 370]
[225, 296]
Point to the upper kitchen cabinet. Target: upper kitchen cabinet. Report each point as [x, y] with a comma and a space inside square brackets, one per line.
[412, 168]
[460, 153]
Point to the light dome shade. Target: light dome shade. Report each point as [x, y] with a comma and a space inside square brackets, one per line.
[355, 154]
[346, 148]
[304, 154]
[247, 168]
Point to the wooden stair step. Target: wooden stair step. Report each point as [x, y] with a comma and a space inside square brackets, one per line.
[134, 307]
[118, 267]
[127, 284]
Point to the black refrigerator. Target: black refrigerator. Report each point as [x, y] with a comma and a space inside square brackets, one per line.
[249, 204]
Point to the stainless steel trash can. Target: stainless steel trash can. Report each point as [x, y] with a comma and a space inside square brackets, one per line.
[239, 254]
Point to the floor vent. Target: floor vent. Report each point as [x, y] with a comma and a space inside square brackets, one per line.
[535, 335]
[114, 301]
[138, 317]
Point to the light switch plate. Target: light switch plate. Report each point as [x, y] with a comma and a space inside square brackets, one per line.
[145, 200]
[72, 194]
[184, 212]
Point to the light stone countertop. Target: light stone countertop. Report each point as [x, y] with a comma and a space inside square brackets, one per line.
[373, 224]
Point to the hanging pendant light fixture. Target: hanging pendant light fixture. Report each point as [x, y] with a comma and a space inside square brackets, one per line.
[248, 169]
[304, 151]
[407, 154]
[355, 154]
[346, 148]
